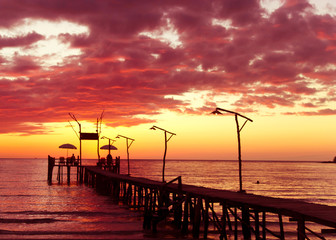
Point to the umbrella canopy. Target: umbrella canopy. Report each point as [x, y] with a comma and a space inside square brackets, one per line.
[67, 146]
[107, 147]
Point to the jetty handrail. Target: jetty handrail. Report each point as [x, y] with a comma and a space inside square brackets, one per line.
[179, 182]
[159, 199]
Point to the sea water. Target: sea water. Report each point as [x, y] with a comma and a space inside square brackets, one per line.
[32, 209]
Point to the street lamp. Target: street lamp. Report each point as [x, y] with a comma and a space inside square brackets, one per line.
[128, 145]
[113, 140]
[165, 151]
[218, 111]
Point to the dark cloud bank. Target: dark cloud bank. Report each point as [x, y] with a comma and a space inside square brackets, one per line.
[285, 58]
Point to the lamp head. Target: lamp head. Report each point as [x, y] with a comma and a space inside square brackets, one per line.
[152, 128]
[117, 136]
[216, 112]
[102, 137]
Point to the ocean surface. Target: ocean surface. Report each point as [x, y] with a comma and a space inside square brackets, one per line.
[31, 209]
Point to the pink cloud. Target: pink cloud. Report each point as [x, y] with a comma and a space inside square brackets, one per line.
[323, 112]
[267, 59]
[20, 41]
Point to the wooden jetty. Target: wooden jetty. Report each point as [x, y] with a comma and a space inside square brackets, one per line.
[193, 209]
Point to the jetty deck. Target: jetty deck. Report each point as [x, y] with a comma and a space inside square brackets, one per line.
[192, 209]
[159, 199]
[322, 214]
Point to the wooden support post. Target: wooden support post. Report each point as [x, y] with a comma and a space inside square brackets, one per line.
[125, 190]
[128, 195]
[86, 177]
[264, 225]
[68, 174]
[256, 225]
[179, 210]
[94, 180]
[301, 235]
[192, 205]
[140, 197]
[98, 183]
[246, 223]
[134, 196]
[161, 201]
[154, 200]
[175, 208]
[228, 219]
[81, 169]
[108, 184]
[116, 190]
[236, 224]
[59, 174]
[177, 199]
[206, 218]
[197, 217]
[51, 164]
[151, 201]
[223, 234]
[147, 210]
[186, 214]
[282, 233]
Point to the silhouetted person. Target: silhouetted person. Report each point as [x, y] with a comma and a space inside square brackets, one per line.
[73, 159]
[117, 165]
[109, 161]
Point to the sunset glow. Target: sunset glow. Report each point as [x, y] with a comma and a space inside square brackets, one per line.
[169, 64]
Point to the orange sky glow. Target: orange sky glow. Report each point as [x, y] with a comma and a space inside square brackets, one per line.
[169, 64]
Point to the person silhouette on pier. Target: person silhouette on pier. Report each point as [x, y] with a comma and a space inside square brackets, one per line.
[117, 165]
[73, 159]
[109, 161]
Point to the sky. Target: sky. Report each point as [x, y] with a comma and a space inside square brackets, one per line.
[170, 64]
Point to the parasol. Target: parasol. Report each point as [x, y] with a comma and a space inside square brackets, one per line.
[67, 146]
[109, 147]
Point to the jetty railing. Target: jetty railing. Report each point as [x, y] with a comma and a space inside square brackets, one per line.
[193, 208]
[200, 210]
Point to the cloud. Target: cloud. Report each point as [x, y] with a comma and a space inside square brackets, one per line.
[20, 40]
[133, 54]
[323, 112]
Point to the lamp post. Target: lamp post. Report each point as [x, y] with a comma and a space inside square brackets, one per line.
[218, 111]
[128, 145]
[113, 140]
[165, 151]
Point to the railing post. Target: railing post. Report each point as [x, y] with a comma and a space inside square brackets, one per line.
[197, 217]
[223, 234]
[186, 211]
[246, 223]
[256, 225]
[282, 233]
[301, 235]
[264, 225]
[68, 174]
[206, 218]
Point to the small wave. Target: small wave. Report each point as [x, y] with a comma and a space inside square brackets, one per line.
[76, 213]
[28, 221]
[116, 232]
